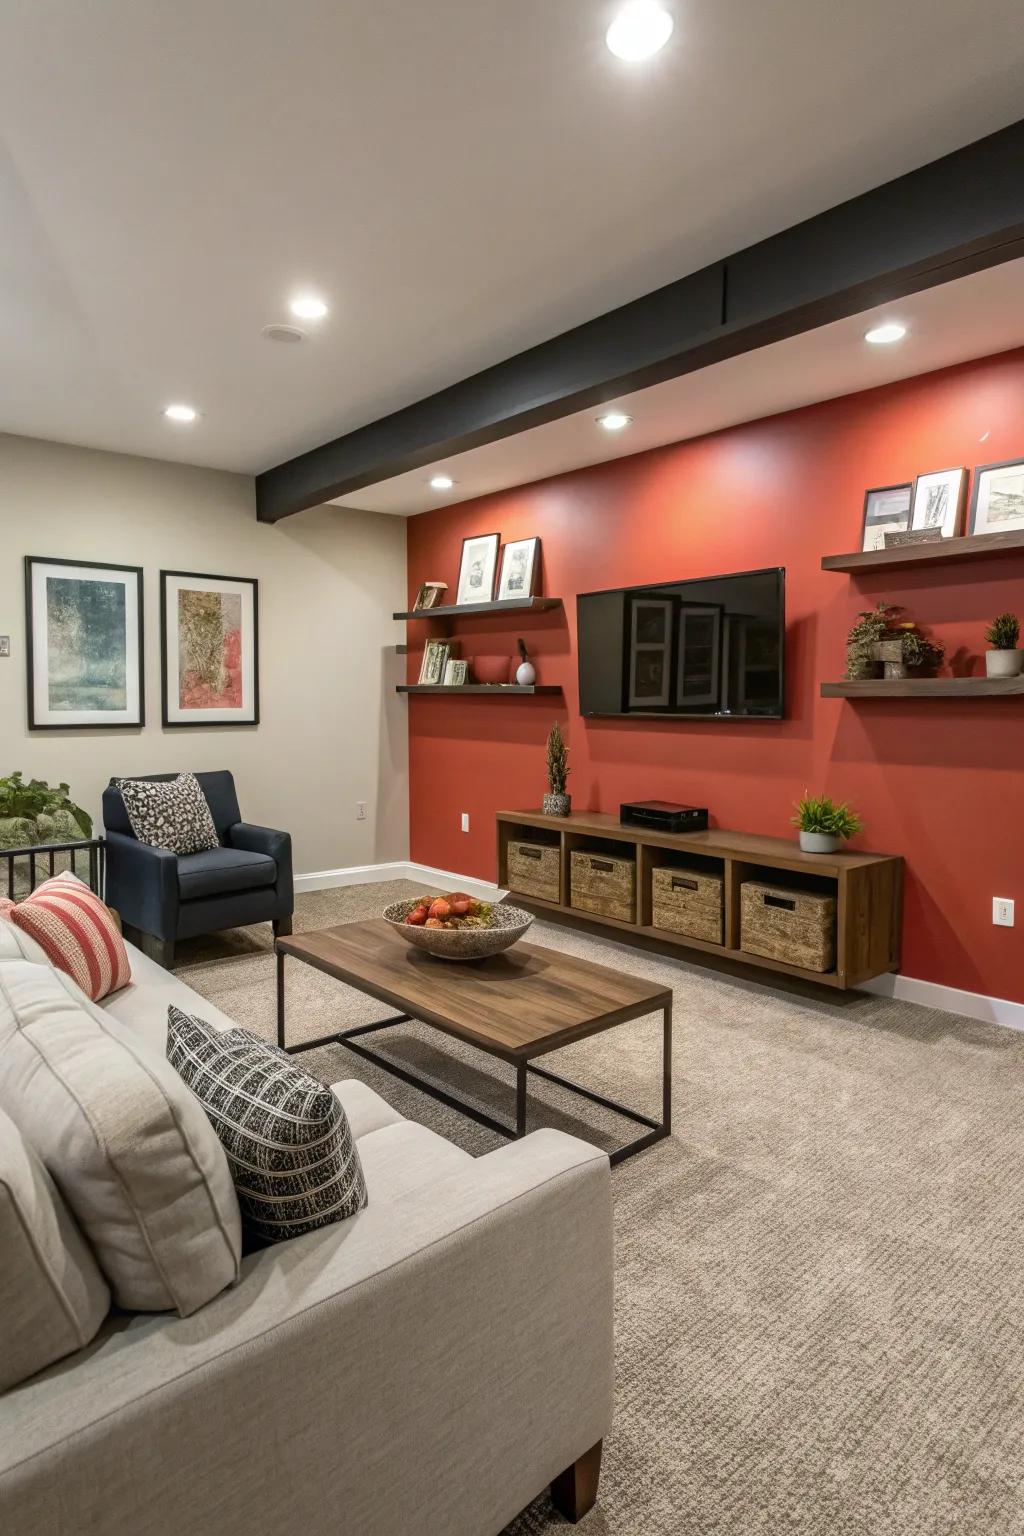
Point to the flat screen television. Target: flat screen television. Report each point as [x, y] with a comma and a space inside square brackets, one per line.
[712, 648]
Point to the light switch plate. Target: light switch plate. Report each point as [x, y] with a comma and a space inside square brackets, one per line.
[1002, 911]
[5, 645]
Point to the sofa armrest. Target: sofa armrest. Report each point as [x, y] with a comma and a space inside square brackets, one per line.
[429, 1365]
[142, 884]
[254, 839]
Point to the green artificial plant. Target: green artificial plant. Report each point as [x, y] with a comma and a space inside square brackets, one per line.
[817, 813]
[1003, 633]
[35, 811]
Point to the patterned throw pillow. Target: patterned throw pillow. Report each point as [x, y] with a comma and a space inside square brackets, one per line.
[170, 813]
[288, 1142]
[76, 932]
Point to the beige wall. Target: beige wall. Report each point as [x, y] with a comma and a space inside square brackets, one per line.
[333, 730]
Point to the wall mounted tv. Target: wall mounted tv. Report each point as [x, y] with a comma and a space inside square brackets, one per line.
[705, 649]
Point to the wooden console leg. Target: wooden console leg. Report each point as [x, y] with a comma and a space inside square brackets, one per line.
[574, 1491]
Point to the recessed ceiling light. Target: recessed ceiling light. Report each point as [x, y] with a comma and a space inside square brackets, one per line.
[640, 29]
[441, 482]
[308, 307]
[182, 413]
[881, 335]
[286, 333]
[614, 421]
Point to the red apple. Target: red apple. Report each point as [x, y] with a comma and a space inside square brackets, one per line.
[417, 917]
[440, 909]
[460, 906]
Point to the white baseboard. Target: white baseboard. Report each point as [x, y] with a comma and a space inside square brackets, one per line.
[423, 874]
[905, 989]
[931, 994]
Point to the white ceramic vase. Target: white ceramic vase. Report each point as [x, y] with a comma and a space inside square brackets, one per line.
[819, 842]
[526, 674]
[1004, 663]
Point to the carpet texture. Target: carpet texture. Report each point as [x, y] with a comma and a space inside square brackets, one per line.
[819, 1329]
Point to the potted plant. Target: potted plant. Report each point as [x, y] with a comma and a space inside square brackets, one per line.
[37, 813]
[824, 824]
[1004, 659]
[556, 801]
[867, 633]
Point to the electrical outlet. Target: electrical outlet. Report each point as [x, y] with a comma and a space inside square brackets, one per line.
[360, 810]
[5, 645]
[1002, 911]
[465, 821]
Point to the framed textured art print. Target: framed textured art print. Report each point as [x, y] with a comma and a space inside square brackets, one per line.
[938, 501]
[477, 568]
[997, 501]
[209, 639]
[84, 645]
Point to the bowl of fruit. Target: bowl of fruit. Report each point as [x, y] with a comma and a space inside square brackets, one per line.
[457, 926]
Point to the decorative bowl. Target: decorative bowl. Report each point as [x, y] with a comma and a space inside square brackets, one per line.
[509, 925]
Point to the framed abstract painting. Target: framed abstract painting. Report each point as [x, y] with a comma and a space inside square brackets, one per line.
[84, 645]
[209, 641]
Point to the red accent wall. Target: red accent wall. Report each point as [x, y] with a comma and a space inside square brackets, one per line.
[941, 782]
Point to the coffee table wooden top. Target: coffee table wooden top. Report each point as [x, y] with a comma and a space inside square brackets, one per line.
[516, 1005]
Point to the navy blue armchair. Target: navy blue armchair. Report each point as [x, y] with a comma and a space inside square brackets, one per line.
[164, 896]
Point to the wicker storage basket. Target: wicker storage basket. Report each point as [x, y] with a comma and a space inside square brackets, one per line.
[533, 869]
[687, 901]
[604, 884]
[798, 927]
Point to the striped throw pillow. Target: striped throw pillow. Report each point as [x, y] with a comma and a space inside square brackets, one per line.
[76, 932]
[289, 1145]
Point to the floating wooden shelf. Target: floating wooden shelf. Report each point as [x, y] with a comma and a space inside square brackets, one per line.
[979, 546]
[503, 689]
[925, 688]
[476, 610]
[867, 888]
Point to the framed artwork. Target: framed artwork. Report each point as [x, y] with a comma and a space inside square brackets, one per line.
[938, 501]
[997, 500]
[429, 595]
[84, 645]
[519, 562]
[886, 510]
[650, 653]
[455, 673]
[209, 643]
[435, 659]
[477, 568]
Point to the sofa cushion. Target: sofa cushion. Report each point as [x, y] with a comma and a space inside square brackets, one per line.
[287, 1137]
[169, 813]
[125, 1142]
[220, 870]
[142, 1005]
[77, 933]
[15, 944]
[366, 1110]
[400, 1158]
[52, 1297]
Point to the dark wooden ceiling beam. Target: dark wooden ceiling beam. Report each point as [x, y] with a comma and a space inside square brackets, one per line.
[952, 217]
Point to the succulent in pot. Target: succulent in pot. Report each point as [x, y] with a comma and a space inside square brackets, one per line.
[1005, 659]
[556, 801]
[824, 824]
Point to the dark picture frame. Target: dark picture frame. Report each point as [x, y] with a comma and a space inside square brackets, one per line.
[530, 584]
[134, 647]
[955, 518]
[171, 713]
[875, 491]
[987, 469]
[487, 592]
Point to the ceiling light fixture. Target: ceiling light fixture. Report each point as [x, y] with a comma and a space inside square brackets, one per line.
[182, 413]
[639, 30]
[441, 482]
[308, 307]
[614, 421]
[881, 335]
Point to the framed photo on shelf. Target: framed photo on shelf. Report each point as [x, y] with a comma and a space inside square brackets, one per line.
[938, 501]
[886, 510]
[435, 659]
[519, 564]
[429, 595]
[997, 500]
[455, 672]
[477, 568]
[84, 645]
[209, 644]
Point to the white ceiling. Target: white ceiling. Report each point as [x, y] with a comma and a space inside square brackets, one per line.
[460, 178]
[972, 317]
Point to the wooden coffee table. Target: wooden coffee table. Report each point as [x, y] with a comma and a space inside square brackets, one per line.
[518, 1005]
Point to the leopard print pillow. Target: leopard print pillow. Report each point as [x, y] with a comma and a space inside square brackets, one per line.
[170, 813]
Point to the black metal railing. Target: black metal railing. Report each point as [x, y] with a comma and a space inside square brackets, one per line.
[42, 863]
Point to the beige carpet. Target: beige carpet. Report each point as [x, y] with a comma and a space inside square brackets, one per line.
[820, 1320]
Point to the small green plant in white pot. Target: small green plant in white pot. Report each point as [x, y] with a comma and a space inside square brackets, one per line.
[823, 824]
[1005, 659]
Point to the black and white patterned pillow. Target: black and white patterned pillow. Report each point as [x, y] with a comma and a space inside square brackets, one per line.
[170, 813]
[289, 1145]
